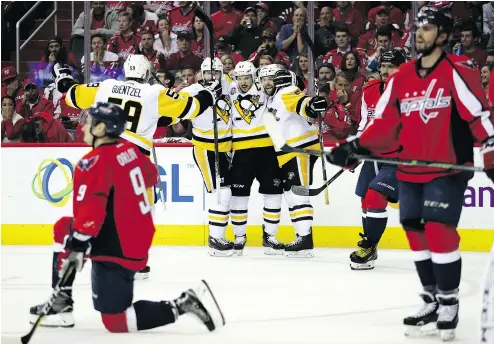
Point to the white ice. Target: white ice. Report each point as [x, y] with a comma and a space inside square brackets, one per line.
[265, 299]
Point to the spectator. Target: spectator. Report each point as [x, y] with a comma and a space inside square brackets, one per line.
[12, 122]
[395, 14]
[368, 43]
[325, 75]
[223, 48]
[350, 65]
[181, 18]
[488, 17]
[154, 57]
[263, 21]
[228, 64]
[103, 19]
[485, 76]
[126, 42]
[33, 102]
[161, 8]
[343, 44]
[226, 19]
[345, 13]
[187, 77]
[268, 47]
[490, 58]
[198, 35]
[286, 17]
[247, 34]
[468, 48]
[324, 36]
[11, 84]
[290, 39]
[383, 38]
[104, 64]
[55, 52]
[165, 41]
[184, 56]
[302, 69]
[166, 78]
[142, 20]
[265, 60]
[43, 127]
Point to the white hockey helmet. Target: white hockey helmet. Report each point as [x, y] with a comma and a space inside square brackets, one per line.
[282, 77]
[206, 66]
[245, 68]
[137, 67]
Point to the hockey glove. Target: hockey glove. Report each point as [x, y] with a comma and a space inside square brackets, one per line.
[214, 87]
[487, 151]
[77, 246]
[342, 154]
[63, 77]
[316, 105]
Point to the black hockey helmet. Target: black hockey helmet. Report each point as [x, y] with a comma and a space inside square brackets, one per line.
[111, 115]
[435, 16]
[396, 56]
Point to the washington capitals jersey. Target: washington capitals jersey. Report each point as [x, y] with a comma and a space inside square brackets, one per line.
[144, 103]
[435, 114]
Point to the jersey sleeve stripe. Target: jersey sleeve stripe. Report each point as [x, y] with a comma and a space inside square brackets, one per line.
[71, 98]
[189, 110]
[383, 102]
[472, 103]
[301, 104]
[364, 115]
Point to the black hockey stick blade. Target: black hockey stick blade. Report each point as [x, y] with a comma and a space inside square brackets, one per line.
[304, 191]
[27, 338]
[306, 38]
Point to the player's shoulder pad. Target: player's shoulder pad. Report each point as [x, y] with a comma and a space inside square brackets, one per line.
[461, 63]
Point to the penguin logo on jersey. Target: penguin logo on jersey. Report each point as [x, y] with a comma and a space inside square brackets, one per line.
[223, 114]
[246, 106]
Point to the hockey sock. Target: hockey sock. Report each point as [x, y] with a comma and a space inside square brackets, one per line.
[61, 232]
[376, 215]
[422, 259]
[218, 214]
[67, 287]
[443, 240]
[271, 213]
[364, 215]
[301, 212]
[238, 213]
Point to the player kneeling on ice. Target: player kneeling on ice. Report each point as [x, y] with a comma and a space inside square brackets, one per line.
[434, 107]
[113, 223]
[288, 111]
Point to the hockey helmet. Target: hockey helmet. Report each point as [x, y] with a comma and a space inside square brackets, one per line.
[137, 67]
[435, 16]
[396, 56]
[281, 77]
[245, 68]
[111, 115]
[206, 66]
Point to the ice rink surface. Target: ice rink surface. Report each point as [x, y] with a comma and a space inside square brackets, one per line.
[265, 299]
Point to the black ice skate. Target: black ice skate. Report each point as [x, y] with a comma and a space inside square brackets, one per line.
[272, 246]
[200, 302]
[142, 274]
[424, 321]
[447, 319]
[220, 247]
[302, 246]
[239, 244]
[363, 258]
[60, 314]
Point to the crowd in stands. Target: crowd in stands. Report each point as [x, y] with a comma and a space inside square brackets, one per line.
[350, 37]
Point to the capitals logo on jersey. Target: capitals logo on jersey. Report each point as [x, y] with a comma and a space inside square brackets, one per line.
[424, 103]
[87, 164]
[246, 106]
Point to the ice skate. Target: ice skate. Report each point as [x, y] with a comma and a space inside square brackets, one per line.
[200, 302]
[364, 257]
[239, 244]
[220, 247]
[142, 274]
[60, 315]
[424, 321]
[447, 319]
[272, 246]
[302, 246]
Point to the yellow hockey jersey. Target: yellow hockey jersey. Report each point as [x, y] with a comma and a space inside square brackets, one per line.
[144, 103]
[288, 105]
[247, 124]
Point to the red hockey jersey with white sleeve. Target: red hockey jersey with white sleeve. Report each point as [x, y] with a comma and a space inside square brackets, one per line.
[435, 114]
[111, 204]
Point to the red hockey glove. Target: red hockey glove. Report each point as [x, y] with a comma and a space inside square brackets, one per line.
[487, 151]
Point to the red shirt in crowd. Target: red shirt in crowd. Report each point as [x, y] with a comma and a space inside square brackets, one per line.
[52, 128]
[176, 61]
[478, 56]
[225, 22]
[12, 131]
[27, 110]
[367, 43]
[341, 120]
[179, 21]
[236, 57]
[197, 47]
[67, 111]
[124, 46]
[155, 59]
[335, 57]
[395, 15]
[353, 19]
[97, 24]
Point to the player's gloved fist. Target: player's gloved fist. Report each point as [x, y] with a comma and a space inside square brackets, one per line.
[63, 77]
[214, 87]
[343, 154]
[77, 246]
[487, 151]
[316, 105]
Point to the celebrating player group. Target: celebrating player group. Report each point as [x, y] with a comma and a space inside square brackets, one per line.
[260, 125]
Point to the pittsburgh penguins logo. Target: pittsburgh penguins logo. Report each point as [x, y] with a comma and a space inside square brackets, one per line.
[246, 106]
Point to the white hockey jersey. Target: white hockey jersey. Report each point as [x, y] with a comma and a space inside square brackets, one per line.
[247, 125]
[288, 105]
[144, 103]
[202, 126]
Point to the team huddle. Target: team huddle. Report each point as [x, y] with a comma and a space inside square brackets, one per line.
[431, 108]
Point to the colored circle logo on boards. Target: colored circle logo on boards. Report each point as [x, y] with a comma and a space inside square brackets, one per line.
[54, 191]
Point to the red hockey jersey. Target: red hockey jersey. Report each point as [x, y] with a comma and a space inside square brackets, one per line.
[112, 206]
[434, 114]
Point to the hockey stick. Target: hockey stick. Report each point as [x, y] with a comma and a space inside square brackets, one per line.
[49, 304]
[209, 24]
[306, 37]
[160, 187]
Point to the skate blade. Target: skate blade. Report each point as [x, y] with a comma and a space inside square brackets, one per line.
[208, 300]
[65, 320]
[269, 251]
[427, 330]
[299, 254]
[362, 266]
[447, 335]
[238, 252]
[139, 276]
[217, 253]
